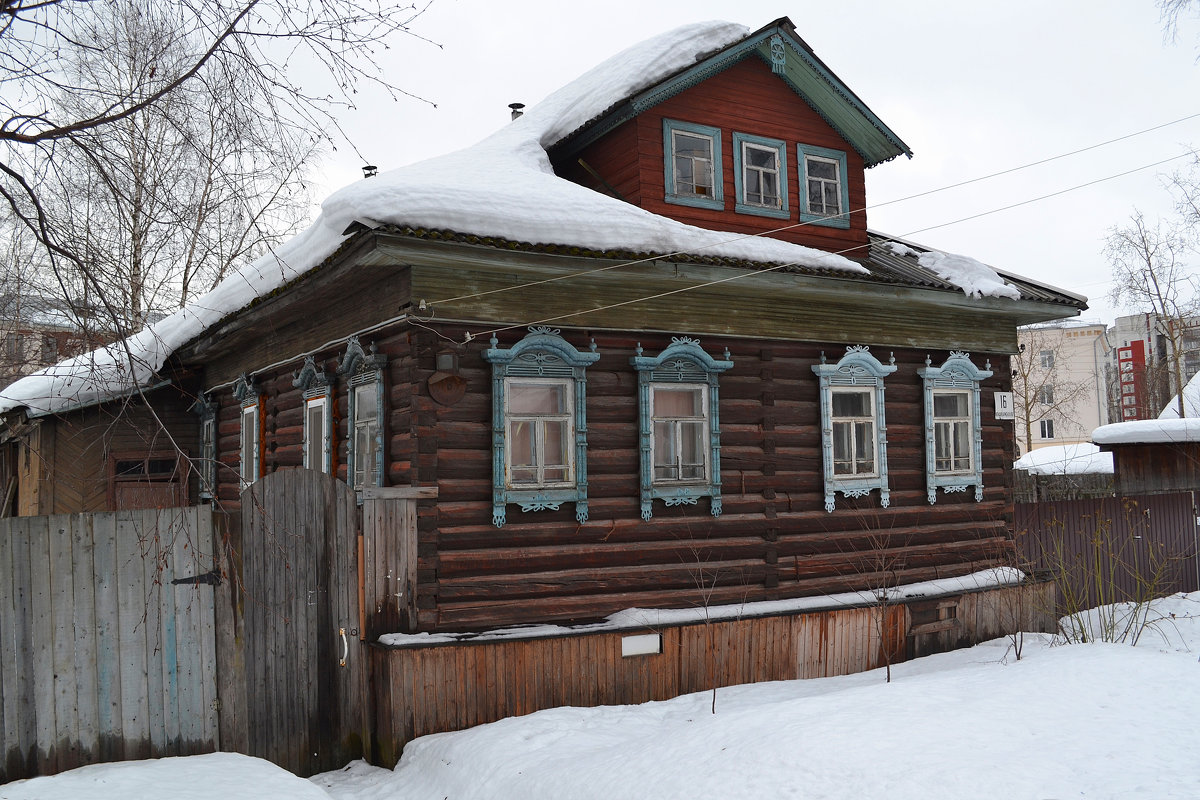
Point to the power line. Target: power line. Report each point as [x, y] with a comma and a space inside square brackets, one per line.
[793, 226]
[777, 267]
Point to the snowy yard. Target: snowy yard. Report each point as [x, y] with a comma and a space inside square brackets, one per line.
[1066, 721]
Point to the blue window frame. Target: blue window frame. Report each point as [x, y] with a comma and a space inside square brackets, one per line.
[824, 195]
[365, 405]
[679, 426]
[692, 164]
[953, 436]
[760, 176]
[316, 392]
[539, 424]
[853, 426]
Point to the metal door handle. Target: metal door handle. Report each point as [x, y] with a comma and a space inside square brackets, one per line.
[345, 645]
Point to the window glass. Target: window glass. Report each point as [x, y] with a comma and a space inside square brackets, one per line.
[693, 164]
[366, 435]
[679, 428]
[824, 186]
[760, 171]
[540, 435]
[314, 434]
[249, 444]
[853, 432]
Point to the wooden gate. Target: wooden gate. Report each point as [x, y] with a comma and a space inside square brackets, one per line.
[107, 641]
[305, 665]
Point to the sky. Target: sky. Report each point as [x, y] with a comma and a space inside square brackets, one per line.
[972, 89]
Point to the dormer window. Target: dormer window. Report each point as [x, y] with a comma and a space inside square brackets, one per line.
[826, 200]
[692, 163]
[760, 175]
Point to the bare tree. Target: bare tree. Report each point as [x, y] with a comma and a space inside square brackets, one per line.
[1042, 387]
[127, 119]
[1150, 273]
[1171, 12]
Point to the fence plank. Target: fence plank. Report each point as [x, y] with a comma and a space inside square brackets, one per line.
[108, 625]
[10, 674]
[83, 549]
[42, 620]
[131, 632]
[62, 597]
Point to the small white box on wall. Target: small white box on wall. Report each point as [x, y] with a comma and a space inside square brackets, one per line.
[644, 644]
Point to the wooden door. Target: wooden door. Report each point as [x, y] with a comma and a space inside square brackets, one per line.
[305, 664]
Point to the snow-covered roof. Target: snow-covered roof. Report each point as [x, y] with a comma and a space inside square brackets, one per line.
[1066, 459]
[1191, 401]
[503, 186]
[1149, 431]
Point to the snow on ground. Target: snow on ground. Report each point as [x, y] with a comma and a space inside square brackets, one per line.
[1065, 459]
[1092, 721]
[216, 776]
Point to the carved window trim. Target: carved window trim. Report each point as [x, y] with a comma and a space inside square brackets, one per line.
[682, 363]
[316, 392]
[804, 153]
[670, 128]
[363, 368]
[542, 353]
[857, 369]
[957, 373]
[246, 392]
[741, 141]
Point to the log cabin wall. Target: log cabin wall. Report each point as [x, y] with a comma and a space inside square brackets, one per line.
[774, 539]
[746, 98]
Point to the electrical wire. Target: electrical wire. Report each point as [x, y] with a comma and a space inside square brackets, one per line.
[777, 267]
[864, 209]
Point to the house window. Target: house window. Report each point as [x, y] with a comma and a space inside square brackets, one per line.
[539, 433]
[1047, 428]
[1046, 395]
[692, 164]
[1130, 412]
[853, 417]
[760, 175]
[316, 390]
[679, 426]
[1129, 400]
[207, 464]
[825, 197]
[1047, 359]
[364, 405]
[678, 422]
[953, 436]
[250, 450]
[853, 431]
[539, 424]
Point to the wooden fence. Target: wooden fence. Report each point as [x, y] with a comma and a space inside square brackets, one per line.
[102, 656]
[1111, 549]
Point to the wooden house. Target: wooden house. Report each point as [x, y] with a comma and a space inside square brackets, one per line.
[668, 366]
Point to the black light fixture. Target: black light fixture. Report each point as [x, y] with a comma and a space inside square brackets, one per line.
[517, 109]
[370, 171]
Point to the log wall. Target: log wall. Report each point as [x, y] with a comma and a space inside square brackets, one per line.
[774, 539]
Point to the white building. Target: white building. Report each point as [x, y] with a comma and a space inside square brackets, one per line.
[1059, 383]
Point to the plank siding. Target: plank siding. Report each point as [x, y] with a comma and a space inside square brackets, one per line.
[429, 689]
[746, 98]
[98, 663]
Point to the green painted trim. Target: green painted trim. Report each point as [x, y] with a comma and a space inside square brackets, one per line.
[717, 201]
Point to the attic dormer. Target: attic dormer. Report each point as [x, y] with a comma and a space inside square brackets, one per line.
[757, 137]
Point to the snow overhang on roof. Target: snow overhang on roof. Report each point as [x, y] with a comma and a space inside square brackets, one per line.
[789, 57]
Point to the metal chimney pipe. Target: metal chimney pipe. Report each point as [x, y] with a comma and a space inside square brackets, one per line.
[516, 109]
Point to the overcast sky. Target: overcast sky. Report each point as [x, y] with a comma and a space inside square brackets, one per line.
[973, 89]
